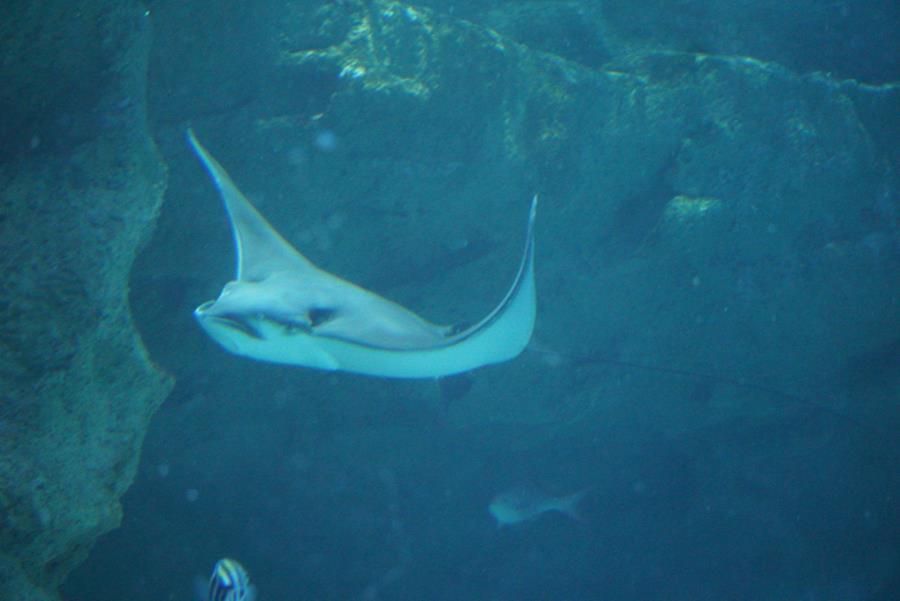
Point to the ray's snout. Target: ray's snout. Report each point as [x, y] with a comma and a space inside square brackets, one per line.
[202, 309]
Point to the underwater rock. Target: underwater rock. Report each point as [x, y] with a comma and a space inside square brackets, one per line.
[846, 39]
[571, 30]
[721, 200]
[81, 182]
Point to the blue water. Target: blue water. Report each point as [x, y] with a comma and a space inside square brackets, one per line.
[717, 352]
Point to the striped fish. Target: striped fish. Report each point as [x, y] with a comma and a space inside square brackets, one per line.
[230, 582]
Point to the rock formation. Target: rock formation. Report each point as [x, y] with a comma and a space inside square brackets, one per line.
[80, 186]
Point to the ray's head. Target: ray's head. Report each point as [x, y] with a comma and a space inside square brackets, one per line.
[232, 331]
[233, 319]
[248, 320]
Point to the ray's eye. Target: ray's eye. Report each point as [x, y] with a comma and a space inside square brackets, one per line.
[319, 315]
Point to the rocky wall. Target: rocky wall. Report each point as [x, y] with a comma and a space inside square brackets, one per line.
[708, 213]
[80, 186]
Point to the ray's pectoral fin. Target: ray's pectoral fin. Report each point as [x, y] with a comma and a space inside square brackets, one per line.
[282, 308]
[506, 330]
[260, 248]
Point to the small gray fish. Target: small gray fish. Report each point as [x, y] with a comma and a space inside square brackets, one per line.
[525, 503]
[230, 582]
